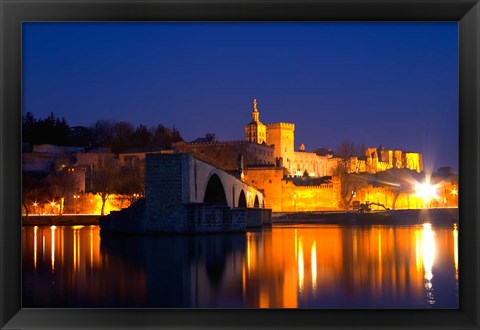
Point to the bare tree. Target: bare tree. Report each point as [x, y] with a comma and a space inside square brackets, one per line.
[61, 183]
[133, 183]
[349, 183]
[106, 181]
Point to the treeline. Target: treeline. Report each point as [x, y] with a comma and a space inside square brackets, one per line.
[116, 135]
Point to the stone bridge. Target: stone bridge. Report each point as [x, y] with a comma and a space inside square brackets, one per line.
[196, 181]
[186, 194]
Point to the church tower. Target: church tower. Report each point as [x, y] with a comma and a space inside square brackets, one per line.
[255, 131]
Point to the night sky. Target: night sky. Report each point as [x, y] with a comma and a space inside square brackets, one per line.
[394, 84]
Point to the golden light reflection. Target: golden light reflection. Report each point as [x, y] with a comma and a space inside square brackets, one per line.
[244, 280]
[455, 249]
[428, 249]
[301, 269]
[35, 230]
[249, 252]
[53, 247]
[74, 250]
[296, 246]
[91, 247]
[314, 265]
[379, 247]
[418, 254]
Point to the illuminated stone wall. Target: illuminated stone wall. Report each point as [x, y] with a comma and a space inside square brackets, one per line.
[316, 166]
[414, 161]
[323, 197]
[225, 154]
[284, 196]
[381, 159]
[268, 180]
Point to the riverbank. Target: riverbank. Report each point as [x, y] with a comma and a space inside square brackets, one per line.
[61, 220]
[438, 216]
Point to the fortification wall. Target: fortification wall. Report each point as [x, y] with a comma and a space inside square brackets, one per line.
[323, 197]
[225, 154]
[267, 180]
[284, 196]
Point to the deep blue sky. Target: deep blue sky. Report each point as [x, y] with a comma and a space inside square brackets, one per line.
[394, 84]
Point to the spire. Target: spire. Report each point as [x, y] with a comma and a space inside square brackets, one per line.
[255, 113]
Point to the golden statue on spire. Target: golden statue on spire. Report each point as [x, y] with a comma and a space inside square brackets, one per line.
[255, 105]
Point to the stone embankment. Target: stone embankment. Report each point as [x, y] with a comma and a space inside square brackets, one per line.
[437, 216]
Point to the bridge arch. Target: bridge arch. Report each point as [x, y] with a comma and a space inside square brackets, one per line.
[242, 200]
[256, 204]
[215, 193]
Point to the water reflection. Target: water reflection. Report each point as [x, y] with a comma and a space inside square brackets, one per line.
[285, 266]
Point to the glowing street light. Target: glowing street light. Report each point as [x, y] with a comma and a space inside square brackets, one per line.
[454, 192]
[426, 191]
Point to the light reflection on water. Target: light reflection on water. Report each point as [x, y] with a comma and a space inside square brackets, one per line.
[302, 266]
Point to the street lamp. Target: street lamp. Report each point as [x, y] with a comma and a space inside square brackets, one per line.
[75, 197]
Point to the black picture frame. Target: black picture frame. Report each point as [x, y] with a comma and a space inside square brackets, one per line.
[14, 12]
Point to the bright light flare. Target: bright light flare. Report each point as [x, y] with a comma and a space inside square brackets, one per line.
[426, 191]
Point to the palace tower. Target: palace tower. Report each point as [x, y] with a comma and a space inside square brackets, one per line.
[255, 131]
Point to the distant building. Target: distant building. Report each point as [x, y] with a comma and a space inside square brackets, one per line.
[46, 158]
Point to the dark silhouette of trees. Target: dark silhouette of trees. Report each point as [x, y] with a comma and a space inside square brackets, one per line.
[51, 130]
[163, 137]
[33, 191]
[141, 137]
[117, 136]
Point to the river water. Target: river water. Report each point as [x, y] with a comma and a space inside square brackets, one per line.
[291, 266]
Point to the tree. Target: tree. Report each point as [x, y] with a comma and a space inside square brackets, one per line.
[33, 190]
[106, 181]
[61, 183]
[141, 138]
[133, 183]
[51, 130]
[122, 136]
[349, 183]
[398, 181]
[163, 137]
[102, 133]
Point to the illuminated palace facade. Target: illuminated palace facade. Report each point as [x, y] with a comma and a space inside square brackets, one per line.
[281, 136]
[297, 180]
